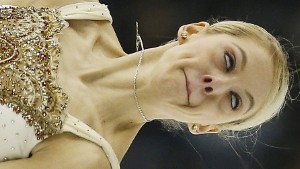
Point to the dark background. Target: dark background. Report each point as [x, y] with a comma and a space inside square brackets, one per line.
[276, 145]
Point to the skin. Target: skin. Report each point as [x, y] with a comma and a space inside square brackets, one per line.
[92, 60]
[197, 63]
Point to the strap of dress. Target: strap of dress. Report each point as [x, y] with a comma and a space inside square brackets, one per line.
[75, 126]
[86, 10]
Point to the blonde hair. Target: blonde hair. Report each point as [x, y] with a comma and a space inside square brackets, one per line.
[277, 96]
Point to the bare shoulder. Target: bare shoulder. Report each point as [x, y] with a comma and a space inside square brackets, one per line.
[42, 3]
[69, 151]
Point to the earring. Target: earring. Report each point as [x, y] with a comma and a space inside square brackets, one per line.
[184, 35]
[195, 127]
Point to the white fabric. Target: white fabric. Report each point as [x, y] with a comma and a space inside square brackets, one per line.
[87, 10]
[17, 139]
[80, 129]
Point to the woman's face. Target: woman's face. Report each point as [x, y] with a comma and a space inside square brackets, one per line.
[212, 79]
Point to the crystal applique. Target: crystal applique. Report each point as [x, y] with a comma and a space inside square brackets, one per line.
[29, 56]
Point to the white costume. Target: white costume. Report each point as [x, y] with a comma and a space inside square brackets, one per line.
[32, 104]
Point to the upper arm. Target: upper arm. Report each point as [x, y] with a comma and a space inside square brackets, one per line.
[63, 151]
[42, 3]
[55, 161]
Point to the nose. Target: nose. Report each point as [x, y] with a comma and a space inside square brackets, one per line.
[215, 85]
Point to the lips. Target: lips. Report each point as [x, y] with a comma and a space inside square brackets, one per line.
[188, 90]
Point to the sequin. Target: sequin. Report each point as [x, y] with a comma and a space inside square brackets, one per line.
[29, 55]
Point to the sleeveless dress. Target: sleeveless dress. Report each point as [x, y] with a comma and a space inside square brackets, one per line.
[32, 105]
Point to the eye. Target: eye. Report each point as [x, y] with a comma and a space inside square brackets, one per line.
[235, 100]
[229, 61]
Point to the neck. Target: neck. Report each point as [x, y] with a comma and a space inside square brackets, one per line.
[114, 81]
[111, 83]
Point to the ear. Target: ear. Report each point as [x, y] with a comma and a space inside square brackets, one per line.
[186, 31]
[203, 129]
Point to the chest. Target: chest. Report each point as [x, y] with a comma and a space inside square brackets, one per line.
[83, 54]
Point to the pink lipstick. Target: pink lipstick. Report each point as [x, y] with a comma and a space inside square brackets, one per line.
[188, 90]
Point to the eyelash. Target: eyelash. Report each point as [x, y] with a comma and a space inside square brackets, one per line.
[235, 99]
[229, 61]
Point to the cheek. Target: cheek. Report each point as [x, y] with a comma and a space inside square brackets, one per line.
[217, 111]
[210, 60]
[218, 60]
[175, 53]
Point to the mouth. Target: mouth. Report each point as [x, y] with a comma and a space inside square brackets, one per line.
[188, 90]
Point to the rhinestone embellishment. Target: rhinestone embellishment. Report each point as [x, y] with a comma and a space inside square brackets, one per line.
[29, 55]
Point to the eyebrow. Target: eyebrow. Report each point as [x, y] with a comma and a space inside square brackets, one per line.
[251, 99]
[244, 56]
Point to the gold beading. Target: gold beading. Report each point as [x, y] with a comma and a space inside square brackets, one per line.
[29, 57]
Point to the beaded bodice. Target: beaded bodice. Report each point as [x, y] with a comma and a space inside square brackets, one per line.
[29, 56]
